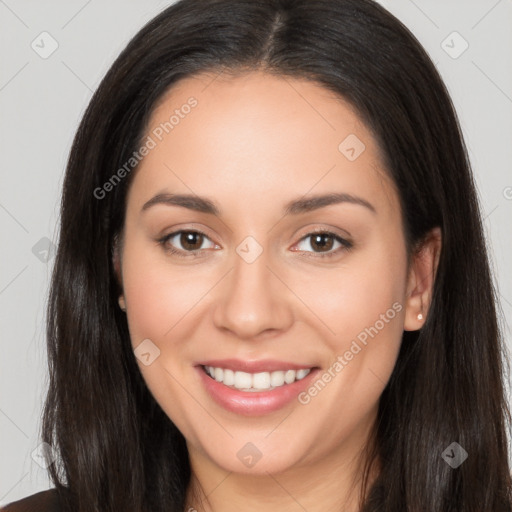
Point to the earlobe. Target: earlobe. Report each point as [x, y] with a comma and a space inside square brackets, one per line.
[421, 280]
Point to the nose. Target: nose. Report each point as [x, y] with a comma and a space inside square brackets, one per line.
[253, 300]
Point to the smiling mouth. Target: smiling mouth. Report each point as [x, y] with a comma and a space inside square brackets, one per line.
[253, 382]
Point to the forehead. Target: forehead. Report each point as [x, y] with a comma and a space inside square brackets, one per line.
[258, 135]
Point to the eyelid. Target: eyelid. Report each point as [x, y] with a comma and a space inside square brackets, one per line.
[187, 228]
[342, 233]
[180, 252]
[345, 242]
[326, 229]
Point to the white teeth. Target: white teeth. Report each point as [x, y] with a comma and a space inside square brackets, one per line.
[276, 379]
[219, 374]
[289, 376]
[229, 377]
[255, 381]
[261, 380]
[243, 380]
[301, 374]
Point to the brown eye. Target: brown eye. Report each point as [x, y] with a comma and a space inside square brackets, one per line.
[323, 243]
[191, 240]
[185, 243]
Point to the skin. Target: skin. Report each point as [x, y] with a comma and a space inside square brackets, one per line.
[253, 143]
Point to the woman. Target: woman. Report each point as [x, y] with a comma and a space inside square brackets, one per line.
[272, 289]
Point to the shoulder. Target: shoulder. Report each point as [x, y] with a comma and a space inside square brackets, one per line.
[44, 501]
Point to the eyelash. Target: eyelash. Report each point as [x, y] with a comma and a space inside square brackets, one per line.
[346, 245]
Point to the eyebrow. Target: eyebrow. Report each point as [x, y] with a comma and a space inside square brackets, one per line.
[294, 207]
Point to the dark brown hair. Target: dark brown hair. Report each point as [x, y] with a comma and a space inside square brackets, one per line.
[117, 449]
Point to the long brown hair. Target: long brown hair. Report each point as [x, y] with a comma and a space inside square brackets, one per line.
[117, 448]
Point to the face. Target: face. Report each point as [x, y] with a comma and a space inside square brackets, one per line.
[296, 305]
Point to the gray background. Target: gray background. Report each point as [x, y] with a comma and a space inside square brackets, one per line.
[42, 98]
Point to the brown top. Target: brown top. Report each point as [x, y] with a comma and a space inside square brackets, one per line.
[44, 501]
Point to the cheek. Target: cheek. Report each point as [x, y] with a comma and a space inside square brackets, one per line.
[160, 303]
[159, 294]
[363, 294]
[360, 309]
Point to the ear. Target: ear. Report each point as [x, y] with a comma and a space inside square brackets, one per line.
[421, 278]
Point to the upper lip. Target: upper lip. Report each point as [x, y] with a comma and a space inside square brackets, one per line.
[263, 365]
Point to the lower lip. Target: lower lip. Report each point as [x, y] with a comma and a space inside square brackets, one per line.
[254, 403]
